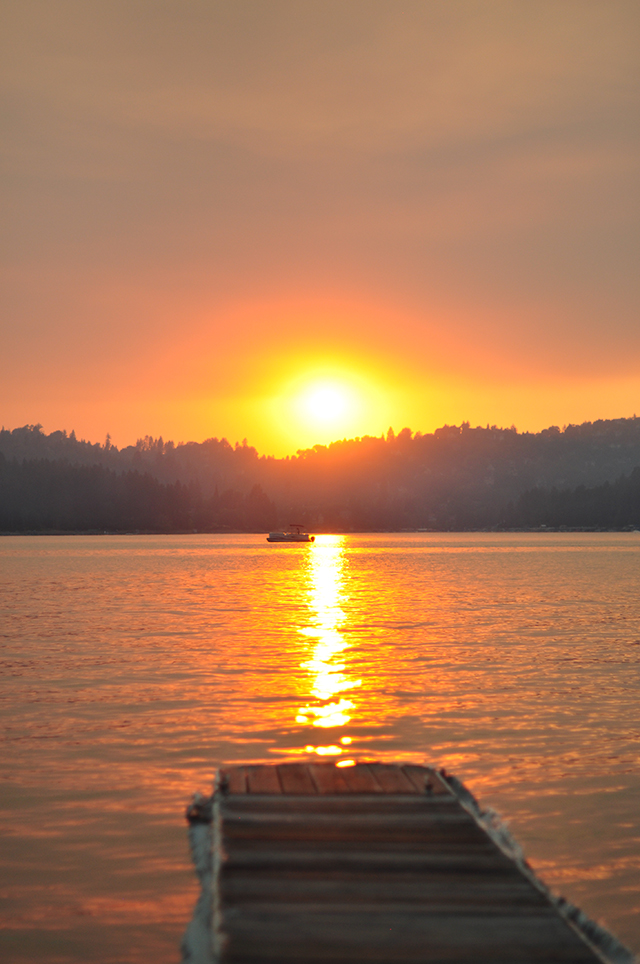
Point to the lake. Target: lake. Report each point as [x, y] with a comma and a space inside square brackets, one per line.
[133, 665]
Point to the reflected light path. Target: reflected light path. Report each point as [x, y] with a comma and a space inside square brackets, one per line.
[329, 707]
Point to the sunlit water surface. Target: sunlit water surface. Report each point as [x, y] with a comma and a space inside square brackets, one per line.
[133, 665]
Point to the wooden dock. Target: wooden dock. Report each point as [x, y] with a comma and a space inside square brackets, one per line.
[315, 863]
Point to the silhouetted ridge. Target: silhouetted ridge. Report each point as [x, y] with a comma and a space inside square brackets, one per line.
[457, 477]
[613, 505]
[59, 497]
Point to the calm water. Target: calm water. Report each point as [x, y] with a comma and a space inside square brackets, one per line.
[133, 665]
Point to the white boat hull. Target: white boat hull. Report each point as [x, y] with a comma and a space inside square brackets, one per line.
[290, 537]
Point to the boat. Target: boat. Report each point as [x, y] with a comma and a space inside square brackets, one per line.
[296, 534]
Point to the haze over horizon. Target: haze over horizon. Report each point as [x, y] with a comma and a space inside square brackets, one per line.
[298, 222]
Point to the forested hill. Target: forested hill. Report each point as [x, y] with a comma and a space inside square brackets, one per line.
[211, 463]
[455, 477]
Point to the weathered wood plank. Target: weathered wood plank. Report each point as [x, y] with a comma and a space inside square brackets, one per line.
[340, 803]
[360, 779]
[295, 778]
[392, 779]
[493, 891]
[263, 779]
[436, 784]
[421, 832]
[374, 823]
[407, 908]
[400, 850]
[426, 780]
[328, 778]
[363, 860]
[293, 935]
[371, 818]
[333, 808]
[234, 779]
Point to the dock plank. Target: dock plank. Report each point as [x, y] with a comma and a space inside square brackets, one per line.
[360, 779]
[234, 779]
[394, 860]
[371, 863]
[454, 890]
[328, 778]
[392, 779]
[296, 779]
[341, 802]
[263, 779]
[456, 829]
[401, 937]
[426, 780]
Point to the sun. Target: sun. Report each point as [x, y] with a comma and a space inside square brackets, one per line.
[326, 402]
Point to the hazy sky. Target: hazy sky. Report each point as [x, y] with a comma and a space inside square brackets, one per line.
[211, 206]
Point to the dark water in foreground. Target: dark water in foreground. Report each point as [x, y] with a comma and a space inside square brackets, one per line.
[133, 665]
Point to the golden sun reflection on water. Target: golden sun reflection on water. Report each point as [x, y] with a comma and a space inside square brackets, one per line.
[331, 704]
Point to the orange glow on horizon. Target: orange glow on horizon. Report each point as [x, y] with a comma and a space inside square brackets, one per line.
[290, 388]
[322, 402]
[308, 371]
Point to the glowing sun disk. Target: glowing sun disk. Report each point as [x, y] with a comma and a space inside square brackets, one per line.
[326, 402]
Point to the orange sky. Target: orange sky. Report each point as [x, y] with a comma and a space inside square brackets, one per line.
[427, 208]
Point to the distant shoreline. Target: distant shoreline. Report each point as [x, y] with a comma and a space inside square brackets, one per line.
[542, 530]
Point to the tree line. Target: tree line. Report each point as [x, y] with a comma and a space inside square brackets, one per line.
[613, 505]
[457, 477]
[54, 496]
